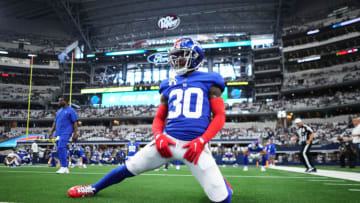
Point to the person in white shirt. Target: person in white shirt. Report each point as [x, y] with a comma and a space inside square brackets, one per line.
[356, 135]
[35, 152]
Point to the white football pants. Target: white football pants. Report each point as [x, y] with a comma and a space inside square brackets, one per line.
[205, 171]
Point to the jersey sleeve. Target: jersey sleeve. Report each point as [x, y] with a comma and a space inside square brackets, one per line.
[308, 129]
[73, 115]
[164, 88]
[218, 81]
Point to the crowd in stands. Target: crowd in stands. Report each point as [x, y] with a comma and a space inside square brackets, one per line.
[267, 55]
[15, 92]
[268, 80]
[339, 98]
[326, 131]
[328, 76]
[266, 67]
[312, 102]
[267, 90]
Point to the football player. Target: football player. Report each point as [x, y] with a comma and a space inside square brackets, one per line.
[271, 151]
[132, 147]
[107, 157]
[256, 152]
[95, 158]
[12, 160]
[53, 159]
[76, 156]
[24, 156]
[120, 156]
[182, 126]
[229, 158]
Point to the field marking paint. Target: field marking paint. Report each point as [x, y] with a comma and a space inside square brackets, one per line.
[339, 184]
[327, 180]
[354, 190]
[174, 175]
[324, 173]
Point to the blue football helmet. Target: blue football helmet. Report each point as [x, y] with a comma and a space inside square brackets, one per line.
[186, 55]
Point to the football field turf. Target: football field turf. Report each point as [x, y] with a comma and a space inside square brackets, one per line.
[40, 184]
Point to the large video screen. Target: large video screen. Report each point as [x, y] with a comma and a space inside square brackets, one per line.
[130, 98]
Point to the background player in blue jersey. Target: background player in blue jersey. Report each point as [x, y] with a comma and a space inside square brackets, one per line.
[182, 127]
[107, 157]
[120, 156]
[95, 158]
[24, 156]
[271, 152]
[77, 156]
[256, 152]
[53, 159]
[132, 147]
[229, 158]
[65, 124]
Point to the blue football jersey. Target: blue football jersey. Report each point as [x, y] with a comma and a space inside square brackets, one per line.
[96, 156]
[22, 153]
[270, 149]
[77, 153]
[121, 153]
[189, 106]
[53, 154]
[253, 149]
[107, 154]
[229, 155]
[132, 148]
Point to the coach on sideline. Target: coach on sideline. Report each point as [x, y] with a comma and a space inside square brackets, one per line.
[305, 135]
[65, 124]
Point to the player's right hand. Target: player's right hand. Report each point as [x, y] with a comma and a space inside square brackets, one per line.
[162, 145]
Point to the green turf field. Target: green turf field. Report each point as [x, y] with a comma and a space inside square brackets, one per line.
[40, 184]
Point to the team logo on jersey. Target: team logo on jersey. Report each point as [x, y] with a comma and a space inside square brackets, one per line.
[172, 81]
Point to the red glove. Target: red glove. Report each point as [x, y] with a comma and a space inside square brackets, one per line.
[162, 142]
[196, 146]
[162, 145]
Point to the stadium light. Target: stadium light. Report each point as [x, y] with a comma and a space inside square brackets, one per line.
[311, 32]
[32, 55]
[125, 52]
[348, 22]
[216, 45]
[308, 59]
[3, 52]
[90, 55]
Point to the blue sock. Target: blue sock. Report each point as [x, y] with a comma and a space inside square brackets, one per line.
[263, 161]
[115, 176]
[228, 198]
[245, 159]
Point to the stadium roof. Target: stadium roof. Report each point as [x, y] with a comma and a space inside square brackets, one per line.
[107, 23]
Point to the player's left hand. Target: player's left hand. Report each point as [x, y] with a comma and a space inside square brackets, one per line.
[74, 137]
[196, 146]
[307, 141]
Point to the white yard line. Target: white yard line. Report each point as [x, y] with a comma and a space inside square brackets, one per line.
[340, 184]
[326, 173]
[173, 175]
[354, 190]
[327, 180]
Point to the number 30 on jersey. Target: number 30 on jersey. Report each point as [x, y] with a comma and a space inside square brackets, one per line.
[182, 102]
